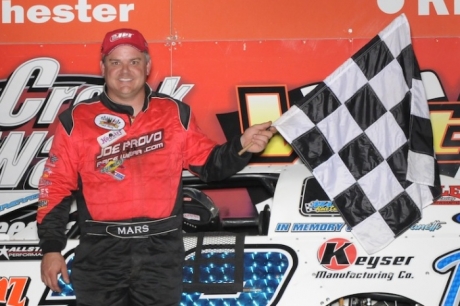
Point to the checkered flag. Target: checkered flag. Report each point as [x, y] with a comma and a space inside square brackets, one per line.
[365, 133]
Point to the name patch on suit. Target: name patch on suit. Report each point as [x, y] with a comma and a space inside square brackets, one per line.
[132, 147]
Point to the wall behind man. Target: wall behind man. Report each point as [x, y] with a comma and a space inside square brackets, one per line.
[214, 55]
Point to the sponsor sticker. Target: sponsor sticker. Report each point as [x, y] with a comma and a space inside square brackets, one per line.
[112, 166]
[110, 137]
[314, 202]
[117, 175]
[111, 169]
[42, 204]
[52, 158]
[338, 254]
[20, 252]
[129, 148]
[109, 122]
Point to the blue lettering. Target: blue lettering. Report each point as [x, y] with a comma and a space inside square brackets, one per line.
[317, 227]
[19, 201]
[282, 227]
[444, 264]
[298, 227]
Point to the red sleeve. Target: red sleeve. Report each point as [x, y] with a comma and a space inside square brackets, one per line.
[197, 145]
[59, 179]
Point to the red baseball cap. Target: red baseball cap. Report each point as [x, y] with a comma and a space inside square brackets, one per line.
[123, 36]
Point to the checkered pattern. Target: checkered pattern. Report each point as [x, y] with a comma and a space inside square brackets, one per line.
[365, 132]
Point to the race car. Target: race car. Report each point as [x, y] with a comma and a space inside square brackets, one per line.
[269, 236]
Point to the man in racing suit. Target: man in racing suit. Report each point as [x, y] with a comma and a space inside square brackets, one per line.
[121, 156]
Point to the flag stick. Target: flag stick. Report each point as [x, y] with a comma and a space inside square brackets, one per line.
[245, 148]
[251, 143]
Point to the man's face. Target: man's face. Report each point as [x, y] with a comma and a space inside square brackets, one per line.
[125, 71]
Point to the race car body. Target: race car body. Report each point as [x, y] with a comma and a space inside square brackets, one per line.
[268, 236]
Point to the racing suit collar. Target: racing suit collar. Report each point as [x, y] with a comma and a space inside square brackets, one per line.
[121, 108]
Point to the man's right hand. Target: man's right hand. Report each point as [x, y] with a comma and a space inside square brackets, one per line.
[53, 263]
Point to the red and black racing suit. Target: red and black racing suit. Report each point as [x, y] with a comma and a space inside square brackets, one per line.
[127, 172]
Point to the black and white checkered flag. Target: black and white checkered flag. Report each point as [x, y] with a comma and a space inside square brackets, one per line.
[365, 132]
